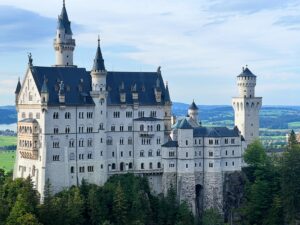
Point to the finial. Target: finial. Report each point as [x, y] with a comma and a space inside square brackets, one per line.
[64, 3]
[98, 40]
[159, 69]
[30, 60]
[246, 66]
[243, 68]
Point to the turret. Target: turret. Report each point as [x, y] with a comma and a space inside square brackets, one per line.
[193, 111]
[45, 92]
[98, 72]
[246, 83]
[64, 45]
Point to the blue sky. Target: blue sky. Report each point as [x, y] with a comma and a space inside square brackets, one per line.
[200, 44]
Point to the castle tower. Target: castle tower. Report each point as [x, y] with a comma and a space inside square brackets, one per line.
[64, 44]
[99, 95]
[193, 113]
[246, 106]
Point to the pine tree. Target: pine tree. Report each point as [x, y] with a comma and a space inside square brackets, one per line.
[255, 154]
[119, 206]
[292, 139]
[212, 217]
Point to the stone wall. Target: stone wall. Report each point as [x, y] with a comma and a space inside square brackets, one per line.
[187, 190]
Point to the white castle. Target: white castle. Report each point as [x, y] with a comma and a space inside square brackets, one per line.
[75, 124]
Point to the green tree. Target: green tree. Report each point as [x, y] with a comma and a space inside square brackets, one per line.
[28, 219]
[255, 154]
[292, 139]
[291, 184]
[212, 217]
[119, 206]
[184, 216]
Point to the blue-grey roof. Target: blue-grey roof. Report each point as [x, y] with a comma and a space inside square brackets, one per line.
[98, 61]
[29, 120]
[193, 106]
[170, 144]
[147, 119]
[44, 86]
[63, 21]
[182, 124]
[77, 82]
[142, 83]
[215, 132]
[18, 88]
[167, 96]
[246, 73]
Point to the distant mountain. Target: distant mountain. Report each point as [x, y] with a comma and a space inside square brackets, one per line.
[272, 117]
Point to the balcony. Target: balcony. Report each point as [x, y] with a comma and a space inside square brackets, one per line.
[146, 134]
[153, 171]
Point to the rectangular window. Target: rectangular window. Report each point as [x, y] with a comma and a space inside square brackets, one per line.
[226, 141]
[113, 128]
[211, 164]
[128, 114]
[232, 141]
[211, 154]
[210, 141]
[129, 128]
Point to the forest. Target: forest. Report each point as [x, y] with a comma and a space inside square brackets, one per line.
[271, 196]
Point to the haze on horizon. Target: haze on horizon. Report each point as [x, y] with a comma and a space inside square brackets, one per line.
[201, 45]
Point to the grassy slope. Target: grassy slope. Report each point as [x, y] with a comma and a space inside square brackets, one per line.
[7, 140]
[7, 159]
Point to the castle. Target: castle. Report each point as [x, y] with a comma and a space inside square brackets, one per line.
[75, 124]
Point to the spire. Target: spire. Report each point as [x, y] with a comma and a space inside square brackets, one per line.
[193, 106]
[18, 88]
[246, 72]
[167, 95]
[44, 87]
[98, 61]
[63, 20]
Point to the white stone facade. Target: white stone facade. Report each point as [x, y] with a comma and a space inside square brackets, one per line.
[75, 124]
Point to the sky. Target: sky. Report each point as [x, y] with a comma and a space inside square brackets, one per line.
[201, 45]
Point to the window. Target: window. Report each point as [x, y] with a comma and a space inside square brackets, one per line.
[128, 114]
[55, 130]
[90, 168]
[72, 169]
[142, 166]
[55, 157]
[226, 141]
[232, 141]
[129, 128]
[101, 153]
[226, 163]
[233, 163]
[121, 141]
[158, 141]
[186, 165]
[129, 153]
[109, 141]
[55, 115]
[186, 142]
[67, 130]
[81, 143]
[80, 128]
[171, 154]
[72, 156]
[121, 154]
[116, 114]
[216, 142]
[171, 165]
[210, 141]
[153, 114]
[67, 115]
[23, 115]
[150, 165]
[90, 142]
[113, 128]
[158, 165]
[211, 154]
[130, 165]
[186, 154]
[121, 128]
[226, 152]
[81, 169]
[89, 129]
[141, 127]
[199, 141]
[150, 153]
[55, 144]
[158, 152]
[113, 166]
[89, 115]
[81, 156]
[158, 127]
[37, 115]
[113, 154]
[101, 127]
[211, 164]
[129, 141]
[232, 152]
[142, 153]
[81, 115]
[141, 114]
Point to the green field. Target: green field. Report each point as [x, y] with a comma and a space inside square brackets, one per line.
[7, 140]
[7, 160]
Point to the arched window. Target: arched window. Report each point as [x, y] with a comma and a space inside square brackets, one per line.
[150, 153]
[142, 166]
[158, 127]
[141, 127]
[158, 165]
[150, 165]
[142, 153]
[113, 166]
[158, 152]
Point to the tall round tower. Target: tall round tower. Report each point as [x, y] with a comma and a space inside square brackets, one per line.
[246, 106]
[64, 44]
[193, 113]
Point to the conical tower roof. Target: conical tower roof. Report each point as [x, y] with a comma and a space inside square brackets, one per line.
[63, 20]
[98, 61]
[18, 88]
[193, 106]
